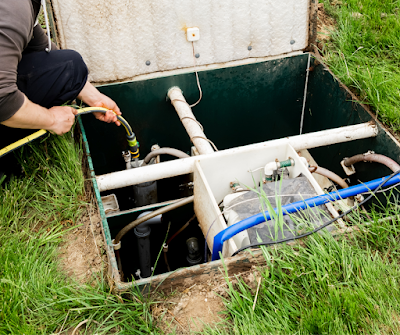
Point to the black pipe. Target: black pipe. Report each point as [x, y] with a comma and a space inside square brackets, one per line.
[143, 239]
[142, 233]
[194, 256]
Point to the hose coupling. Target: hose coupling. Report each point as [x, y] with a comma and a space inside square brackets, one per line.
[235, 186]
[116, 246]
[165, 247]
[133, 146]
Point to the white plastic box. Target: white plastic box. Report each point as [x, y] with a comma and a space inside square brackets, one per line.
[212, 177]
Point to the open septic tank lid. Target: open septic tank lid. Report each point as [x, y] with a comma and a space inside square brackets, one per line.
[120, 40]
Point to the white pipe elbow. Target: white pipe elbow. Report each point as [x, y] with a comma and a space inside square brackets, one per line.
[269, 170]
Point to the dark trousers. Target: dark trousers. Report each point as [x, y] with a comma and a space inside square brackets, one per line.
[47, 79]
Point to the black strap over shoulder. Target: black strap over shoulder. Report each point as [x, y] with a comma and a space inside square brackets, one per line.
[36, 8]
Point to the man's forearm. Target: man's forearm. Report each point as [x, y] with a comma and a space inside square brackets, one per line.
[89, 94]
[30, 116]
[58, 120]
[33, 116]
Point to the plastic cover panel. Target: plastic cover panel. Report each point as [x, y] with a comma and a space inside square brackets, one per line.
[288, 191]
[117, 37]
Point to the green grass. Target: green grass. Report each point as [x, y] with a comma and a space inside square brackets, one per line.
[364, 52]
[348, 285]
[36, 298]
[324, 286]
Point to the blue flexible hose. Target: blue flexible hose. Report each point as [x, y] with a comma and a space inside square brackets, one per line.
[254, 220]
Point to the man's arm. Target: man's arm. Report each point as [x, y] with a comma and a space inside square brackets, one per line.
[16, 23]
[60, 119]
[57, 120]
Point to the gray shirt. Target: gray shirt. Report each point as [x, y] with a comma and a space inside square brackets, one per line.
[17, 36]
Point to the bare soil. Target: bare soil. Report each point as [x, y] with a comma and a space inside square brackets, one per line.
[325, 26]
[189, 310]
[81, 253]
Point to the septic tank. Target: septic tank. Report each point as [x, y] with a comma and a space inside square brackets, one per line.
[265, 102]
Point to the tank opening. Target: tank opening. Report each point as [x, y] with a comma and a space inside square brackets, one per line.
[144, 244]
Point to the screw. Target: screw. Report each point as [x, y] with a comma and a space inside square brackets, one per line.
[148, 63]
[197, 55]
[292, 42]
[249, 47]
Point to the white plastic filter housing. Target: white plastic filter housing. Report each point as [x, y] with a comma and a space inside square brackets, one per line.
[121, 39]
[214, 173]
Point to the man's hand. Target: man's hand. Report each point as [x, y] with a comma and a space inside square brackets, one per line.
[91, 96]
[108, 117]
[63, 119]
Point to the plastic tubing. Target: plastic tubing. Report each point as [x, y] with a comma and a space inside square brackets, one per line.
[330, 175]
[130, 135]
[21, 142]
[377, 158]
[89, 110]
[254, 220]
[164, 151]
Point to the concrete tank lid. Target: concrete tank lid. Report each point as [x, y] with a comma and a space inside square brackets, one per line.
[121, 40]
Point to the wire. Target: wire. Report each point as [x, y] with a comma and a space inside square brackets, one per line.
[320, 227]
[305, 94]
[208, 140]
[190, 118]
[197, 79]
[198, 123]
[385, 189]
[46, 20]
[180, 230]
[196, 103]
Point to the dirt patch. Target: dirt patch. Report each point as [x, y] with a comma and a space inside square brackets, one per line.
[189, 310]
[325, 26]
[81, 255]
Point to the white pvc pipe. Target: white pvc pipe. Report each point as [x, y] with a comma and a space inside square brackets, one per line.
[189, 121]
[179, 167]
[332, 136]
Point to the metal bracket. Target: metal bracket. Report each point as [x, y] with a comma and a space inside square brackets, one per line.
[349, 170]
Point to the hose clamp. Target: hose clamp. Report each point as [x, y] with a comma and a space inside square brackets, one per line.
[116, 246]
[312, 169]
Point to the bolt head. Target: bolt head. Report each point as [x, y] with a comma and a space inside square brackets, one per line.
[148, 62]
[292, 42]
[197, 55]
[249, 47]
